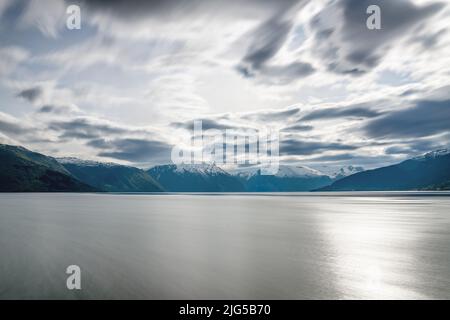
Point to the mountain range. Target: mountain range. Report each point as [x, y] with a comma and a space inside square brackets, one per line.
[22, 170]
[196, 178]
[427, 172]
[110, 177]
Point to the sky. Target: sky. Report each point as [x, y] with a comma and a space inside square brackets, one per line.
[127, 86]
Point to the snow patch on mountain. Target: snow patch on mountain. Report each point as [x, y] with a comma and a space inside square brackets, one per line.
[87, 163]
[286, 171]
[200, 168]
[339, 172]
[433, 154]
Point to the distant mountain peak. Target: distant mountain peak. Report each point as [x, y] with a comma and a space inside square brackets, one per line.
[433, 154]
[87, 163]
[203, 177]
[287, 171]
[200, 168]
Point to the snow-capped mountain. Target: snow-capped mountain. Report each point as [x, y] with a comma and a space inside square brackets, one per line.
[433, 154]
[283, 171]
[111, 177]
[201, 168]
[81, 162]
[337, 173]
[288, 178]
[429, 171]
[195, 178]
[286, 171]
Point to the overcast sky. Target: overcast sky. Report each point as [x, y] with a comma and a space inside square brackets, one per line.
[129, 83]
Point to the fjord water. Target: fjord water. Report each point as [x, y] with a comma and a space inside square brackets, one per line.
[291, 246]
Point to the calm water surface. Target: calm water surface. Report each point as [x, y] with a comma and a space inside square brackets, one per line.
[303, 246]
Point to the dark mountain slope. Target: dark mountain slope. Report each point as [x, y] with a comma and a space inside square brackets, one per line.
[418, 173]
[110, 176]
[22, 170]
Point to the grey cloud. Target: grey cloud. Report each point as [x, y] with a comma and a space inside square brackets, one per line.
[30, 94]
[333, 158]
[273, 115]
[82, 128]
[351, 48]
[12, 128]
[266, 41]
[206, 125]
[356, 160]
[53, 109]
[181, 8]
[430, 40]
[277, 74]
[419, 146]
[297, 127]
[297, 147]
[359, 111]
[133, 150]
[424, 119]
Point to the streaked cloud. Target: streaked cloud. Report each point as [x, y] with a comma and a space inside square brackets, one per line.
[130, 83]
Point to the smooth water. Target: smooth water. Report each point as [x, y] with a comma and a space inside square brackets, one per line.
[296, 246]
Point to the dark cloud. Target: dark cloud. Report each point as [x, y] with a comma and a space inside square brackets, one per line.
[297, 127]
[133, 150]
[12, 128]
[333, 158]
[52, 109]
[82, 128]
[127, 9]
[359, 111]
[343, 159]
[283, 74]
[414, 148]
[424, 119]
[206, 125]
[30, 94]
[350, 47]
[298, 147]
[273, 115]
[409, 92]
[265, 42]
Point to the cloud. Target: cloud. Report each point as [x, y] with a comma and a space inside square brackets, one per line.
[265, 116]
[359, 111]
[297, 147]
[206, 125]
[265, 42]
[13, 126]
[126, 9]
[424, 119]
[347, 46]
[10, 58]
[284, 74]
[297, 127]
[30, 94]
[133, 150]
[84, 128]
[48, 16]
[58, 110]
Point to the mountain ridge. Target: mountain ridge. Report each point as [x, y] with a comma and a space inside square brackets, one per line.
[416, 173]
